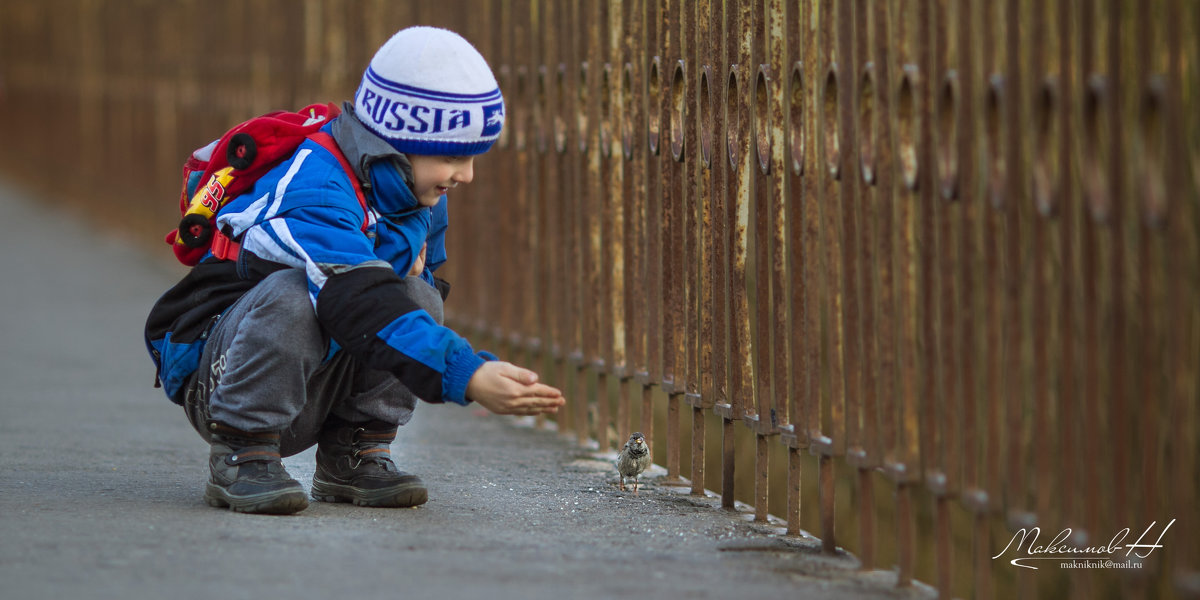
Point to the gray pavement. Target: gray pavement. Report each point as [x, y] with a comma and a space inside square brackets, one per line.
[101, 479]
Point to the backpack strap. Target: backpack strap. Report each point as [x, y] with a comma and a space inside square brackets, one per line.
[226, 248]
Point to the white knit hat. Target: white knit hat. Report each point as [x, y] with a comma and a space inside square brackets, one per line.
[429, 91]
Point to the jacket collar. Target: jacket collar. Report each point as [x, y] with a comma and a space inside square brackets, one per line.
[363, 148]
[385, 173]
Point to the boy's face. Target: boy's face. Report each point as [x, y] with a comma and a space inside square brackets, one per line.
[435, 175]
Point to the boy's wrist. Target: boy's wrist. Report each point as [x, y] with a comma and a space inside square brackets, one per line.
[459, 370]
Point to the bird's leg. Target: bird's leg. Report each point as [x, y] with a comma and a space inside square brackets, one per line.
[635, 486]
[622, 483]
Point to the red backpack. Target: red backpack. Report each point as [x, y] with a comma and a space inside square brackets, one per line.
[231, 165]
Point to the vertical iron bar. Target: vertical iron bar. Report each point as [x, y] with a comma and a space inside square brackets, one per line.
[731, 408]
[1151, 256]
[655, 190]
[776, 22]
[882, 169]
[904, 471]
[833, 441]
[1120, 414]
[638, 282]
[846, 178]
[700, 390]
[1090, 254]
[758, 418]
[799, 343]
[739, 184]
[598, 218]
[810, 86]
[938, 272]
[618, 237]
[717, 289]
[1015, 393]
[866, 457]
[673, 299]
[1182, 339]
[1071, 405]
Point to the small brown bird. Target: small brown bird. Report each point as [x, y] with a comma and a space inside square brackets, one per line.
[633, 460]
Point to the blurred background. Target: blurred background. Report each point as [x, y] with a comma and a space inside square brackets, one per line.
[122, 91]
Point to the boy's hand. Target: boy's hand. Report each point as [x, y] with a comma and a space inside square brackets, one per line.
[418, 265]
[507, 389]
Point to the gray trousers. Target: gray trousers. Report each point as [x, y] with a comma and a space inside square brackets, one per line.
[265, 368]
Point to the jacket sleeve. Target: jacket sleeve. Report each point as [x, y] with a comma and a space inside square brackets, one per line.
[365, 311]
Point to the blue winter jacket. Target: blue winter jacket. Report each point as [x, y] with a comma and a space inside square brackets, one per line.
[304, 214]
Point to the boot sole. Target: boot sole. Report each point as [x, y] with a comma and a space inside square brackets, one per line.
[404, 495]
[282, 502]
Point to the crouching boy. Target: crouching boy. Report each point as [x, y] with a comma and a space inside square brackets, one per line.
[318, 319]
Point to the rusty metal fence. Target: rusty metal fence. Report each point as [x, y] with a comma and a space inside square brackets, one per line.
[945, 252]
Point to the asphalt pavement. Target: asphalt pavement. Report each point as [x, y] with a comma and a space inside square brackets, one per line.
[101, 478]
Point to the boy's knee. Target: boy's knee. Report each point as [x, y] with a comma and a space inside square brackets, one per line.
[286, 293]
[283, 312]
[426, 296]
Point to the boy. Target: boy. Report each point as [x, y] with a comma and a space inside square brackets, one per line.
[325, 328]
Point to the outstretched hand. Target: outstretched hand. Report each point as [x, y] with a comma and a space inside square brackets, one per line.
[506, 389]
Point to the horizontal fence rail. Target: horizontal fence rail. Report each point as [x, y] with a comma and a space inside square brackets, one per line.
[943, 253]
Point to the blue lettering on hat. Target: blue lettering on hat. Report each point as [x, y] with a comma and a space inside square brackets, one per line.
[417, 117]
[380, 110]
[396, 123]
[459, 118]
[367, 96]
[437, 119]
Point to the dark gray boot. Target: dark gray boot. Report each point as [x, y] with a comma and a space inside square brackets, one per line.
[354, 464]
[247, 474]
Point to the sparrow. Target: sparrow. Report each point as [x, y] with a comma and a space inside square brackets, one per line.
[633, 460]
